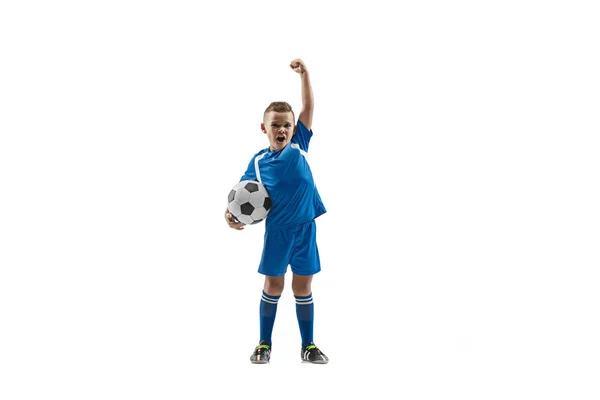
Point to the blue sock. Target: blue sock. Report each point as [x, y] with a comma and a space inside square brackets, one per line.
[305, 311]
[268, 309]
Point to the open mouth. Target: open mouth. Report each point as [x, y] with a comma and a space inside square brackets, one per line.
[281, 138]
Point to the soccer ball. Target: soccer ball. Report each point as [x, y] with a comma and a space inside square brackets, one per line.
[249, 202]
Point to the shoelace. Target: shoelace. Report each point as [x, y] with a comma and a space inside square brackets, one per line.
[312, 349]
[263, 346]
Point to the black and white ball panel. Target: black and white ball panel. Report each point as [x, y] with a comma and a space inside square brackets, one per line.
[249, 202]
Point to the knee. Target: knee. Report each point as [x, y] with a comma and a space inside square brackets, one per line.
[273, 287]
[301, 288]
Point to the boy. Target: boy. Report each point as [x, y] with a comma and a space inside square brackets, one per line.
[290, 232]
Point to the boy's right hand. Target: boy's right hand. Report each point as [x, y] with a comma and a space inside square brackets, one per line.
[231, 222]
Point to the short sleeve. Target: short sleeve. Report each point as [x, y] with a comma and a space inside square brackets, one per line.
[250, 174]
[302, 136]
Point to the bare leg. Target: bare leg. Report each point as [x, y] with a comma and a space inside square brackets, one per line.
[274, 285]
[301, 285]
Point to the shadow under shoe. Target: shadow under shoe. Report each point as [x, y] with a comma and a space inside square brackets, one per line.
[311, 353]
[262, 353]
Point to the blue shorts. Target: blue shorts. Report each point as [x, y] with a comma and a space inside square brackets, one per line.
[295, 246]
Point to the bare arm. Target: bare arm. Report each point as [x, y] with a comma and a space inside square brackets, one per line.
[306, 113]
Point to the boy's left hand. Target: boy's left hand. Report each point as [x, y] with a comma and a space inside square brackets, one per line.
[298, 66]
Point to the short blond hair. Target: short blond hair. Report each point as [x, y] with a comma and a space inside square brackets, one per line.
[279, 106]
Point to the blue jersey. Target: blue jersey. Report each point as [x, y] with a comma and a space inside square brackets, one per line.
[289, 180]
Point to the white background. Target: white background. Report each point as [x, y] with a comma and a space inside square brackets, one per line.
[455, 147]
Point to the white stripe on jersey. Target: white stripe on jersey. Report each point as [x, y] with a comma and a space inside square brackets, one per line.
[258, 158]
[297, 147]
[256, 169]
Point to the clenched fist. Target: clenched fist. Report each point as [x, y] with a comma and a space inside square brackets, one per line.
[298, 66]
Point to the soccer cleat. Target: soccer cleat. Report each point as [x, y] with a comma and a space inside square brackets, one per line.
[311, 353]
[262, 353]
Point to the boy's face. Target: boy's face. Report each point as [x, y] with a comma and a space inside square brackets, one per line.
[279, 127]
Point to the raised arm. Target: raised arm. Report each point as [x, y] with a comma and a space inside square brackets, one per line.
[306, 113]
